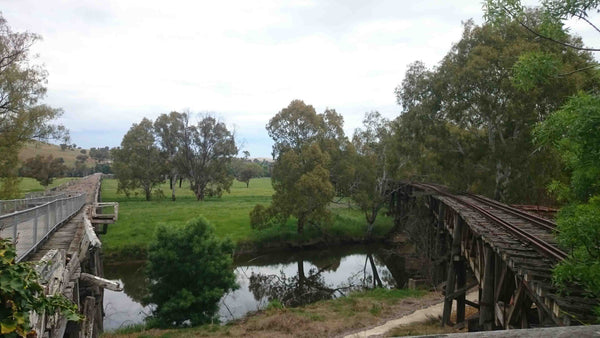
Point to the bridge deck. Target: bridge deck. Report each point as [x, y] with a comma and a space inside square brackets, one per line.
[71, 231]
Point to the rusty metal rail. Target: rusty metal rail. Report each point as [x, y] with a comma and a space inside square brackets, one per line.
[541, 245]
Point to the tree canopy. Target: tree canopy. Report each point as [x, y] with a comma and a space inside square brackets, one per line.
[43, 169]
[23, 116]
[207, 149]
[138, 162]
[303, 171]
[466, 124]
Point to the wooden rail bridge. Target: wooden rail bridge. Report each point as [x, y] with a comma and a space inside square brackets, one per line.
[510, 253]
[66, 253]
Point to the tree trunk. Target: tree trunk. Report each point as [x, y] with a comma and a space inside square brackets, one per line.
[301, 221]
[247, 184]
[148, 192]
[200, 193]
[173, 182]
[180, 181]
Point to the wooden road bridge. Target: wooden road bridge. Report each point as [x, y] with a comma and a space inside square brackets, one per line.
[506, 252]
[58, 233]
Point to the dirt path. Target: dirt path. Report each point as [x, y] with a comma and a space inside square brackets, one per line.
[421, 315]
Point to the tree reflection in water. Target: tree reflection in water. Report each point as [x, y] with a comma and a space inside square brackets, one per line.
[308, 288]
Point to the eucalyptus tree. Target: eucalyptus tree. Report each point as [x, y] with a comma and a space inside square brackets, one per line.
[22, 115]
[303, 172]
[138, 162]
[168, 129]
[571, 131]
[206, 151]
[476, 124]
[44, 169]
[372, 180]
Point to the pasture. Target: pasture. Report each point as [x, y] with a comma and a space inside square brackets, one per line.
[229, 214]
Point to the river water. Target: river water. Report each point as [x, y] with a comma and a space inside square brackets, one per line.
[294, 278]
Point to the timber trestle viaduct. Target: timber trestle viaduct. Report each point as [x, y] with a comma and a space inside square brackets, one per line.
[506, 252]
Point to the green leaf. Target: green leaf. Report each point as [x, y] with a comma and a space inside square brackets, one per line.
[8, 325]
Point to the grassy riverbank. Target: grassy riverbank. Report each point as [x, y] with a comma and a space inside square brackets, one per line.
[229, 214]
[325, 318]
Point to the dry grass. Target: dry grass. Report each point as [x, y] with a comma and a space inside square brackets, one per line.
[34, 148]
[321, 319]
[430, 327]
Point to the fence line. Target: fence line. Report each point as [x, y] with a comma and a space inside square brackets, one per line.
[29, 227]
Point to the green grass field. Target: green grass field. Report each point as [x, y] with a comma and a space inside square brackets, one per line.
[138, 219]
[28, 184]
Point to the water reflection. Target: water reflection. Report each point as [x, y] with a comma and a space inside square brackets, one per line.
[292, 278]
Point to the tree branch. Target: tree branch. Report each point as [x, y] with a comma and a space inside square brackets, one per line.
[588, 21]
[547, 37]
[577, 70]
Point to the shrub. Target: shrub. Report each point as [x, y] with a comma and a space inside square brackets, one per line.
[190, 270]
[262, 217]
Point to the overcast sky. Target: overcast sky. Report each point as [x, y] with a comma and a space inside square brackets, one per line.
[111, 63]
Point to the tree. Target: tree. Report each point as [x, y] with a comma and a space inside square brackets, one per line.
[302, 186]
[372, 185]
[244, 170]
[169, 130]
[43, 169]
[554, 15]
[250, 171]
[206, 153]
[301, 174]
[190, 289]
[100, 154]
[466, 124]
[138, 163]
[22, 116]
[294, 127]
[573, 132]
[80, 169]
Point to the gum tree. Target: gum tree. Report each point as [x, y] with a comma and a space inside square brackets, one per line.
[23, 116]
[138, 162]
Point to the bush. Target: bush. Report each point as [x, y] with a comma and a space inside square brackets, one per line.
[190, 270]
[20, 293]
[262, 217]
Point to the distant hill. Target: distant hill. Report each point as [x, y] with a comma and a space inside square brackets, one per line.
[34, 148]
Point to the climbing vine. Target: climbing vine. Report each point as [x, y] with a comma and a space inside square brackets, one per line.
[21, 293]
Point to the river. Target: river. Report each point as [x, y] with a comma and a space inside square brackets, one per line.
[295, 278]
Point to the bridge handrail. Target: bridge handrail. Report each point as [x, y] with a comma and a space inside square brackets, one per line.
[10, 206]
[30, 227]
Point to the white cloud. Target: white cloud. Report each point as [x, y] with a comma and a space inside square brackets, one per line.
[113, 62]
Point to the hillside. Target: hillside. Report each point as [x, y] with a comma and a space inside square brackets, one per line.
[34, 148]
